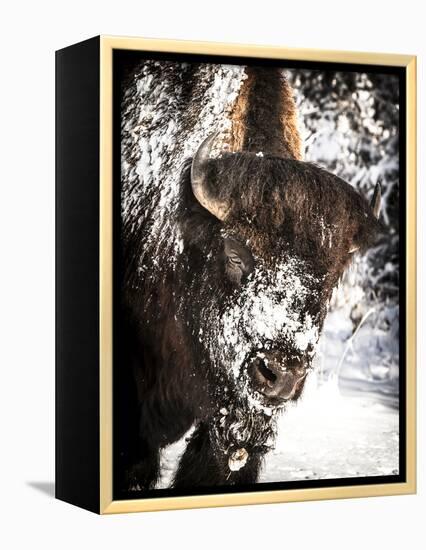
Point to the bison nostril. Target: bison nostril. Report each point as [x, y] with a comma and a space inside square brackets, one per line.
[267, 373]
[276, 378]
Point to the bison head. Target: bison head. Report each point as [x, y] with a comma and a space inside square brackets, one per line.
[266, 241]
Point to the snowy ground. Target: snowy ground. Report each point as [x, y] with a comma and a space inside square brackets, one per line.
[333, 436]
[325, 436]
[347, 422]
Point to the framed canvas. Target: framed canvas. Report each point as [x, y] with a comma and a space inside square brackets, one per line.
[235, 274]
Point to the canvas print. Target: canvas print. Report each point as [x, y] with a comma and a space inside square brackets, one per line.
[257, 262]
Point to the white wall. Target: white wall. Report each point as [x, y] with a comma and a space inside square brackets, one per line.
[30, 32]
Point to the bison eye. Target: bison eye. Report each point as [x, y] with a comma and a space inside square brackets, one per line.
[238, 260]
[235, 260]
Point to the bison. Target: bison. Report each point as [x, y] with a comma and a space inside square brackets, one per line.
[229, 259]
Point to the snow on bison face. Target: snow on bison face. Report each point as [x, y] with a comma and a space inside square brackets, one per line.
[264, 328]
[269, 327]
[285, 232]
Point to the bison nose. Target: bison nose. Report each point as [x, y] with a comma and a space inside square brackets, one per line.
[275, 378]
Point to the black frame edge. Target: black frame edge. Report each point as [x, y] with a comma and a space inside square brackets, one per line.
[77, 274]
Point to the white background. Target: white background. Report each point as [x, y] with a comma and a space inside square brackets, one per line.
[30, 32]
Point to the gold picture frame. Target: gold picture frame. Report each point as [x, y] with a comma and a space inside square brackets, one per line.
[107, 45]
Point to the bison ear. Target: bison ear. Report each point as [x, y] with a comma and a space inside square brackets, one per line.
[376, 200]
[375, 204]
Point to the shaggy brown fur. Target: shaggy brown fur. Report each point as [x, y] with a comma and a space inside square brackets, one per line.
[299, 201]
[264, 116]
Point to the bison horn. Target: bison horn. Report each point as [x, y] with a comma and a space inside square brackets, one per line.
[376, 200]
[218, 208]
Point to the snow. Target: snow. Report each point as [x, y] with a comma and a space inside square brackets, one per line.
[157, 138]
[346, 423]
[238, 460]
[332, 432]
[328, 436]
[270, 305]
